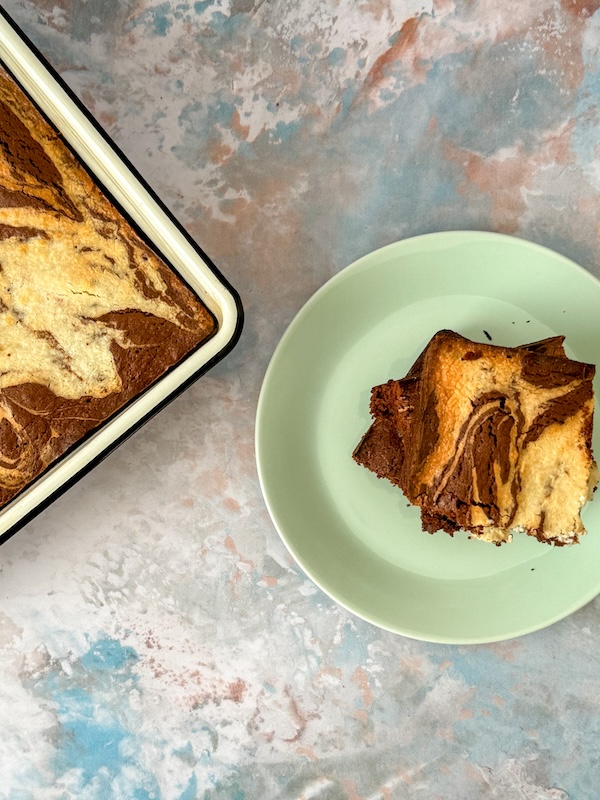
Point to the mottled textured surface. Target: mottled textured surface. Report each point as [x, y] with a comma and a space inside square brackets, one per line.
[156, 640]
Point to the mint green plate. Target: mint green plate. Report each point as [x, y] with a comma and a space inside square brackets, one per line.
[353, 534]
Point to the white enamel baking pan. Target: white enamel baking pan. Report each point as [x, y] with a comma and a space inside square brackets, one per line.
[141, 206]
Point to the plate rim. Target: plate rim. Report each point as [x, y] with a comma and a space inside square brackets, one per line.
[288, 334]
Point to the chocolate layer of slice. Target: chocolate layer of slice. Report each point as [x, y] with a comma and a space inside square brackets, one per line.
[488, 439]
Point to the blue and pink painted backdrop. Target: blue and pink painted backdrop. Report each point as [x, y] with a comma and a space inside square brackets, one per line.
[163, 644]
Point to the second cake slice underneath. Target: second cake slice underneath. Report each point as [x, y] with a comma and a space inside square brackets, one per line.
[488, 439]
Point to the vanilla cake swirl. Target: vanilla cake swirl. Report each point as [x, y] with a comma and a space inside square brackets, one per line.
[488, 439]
[90, 316]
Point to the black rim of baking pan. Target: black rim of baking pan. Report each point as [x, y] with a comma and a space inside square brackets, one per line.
[225, 350]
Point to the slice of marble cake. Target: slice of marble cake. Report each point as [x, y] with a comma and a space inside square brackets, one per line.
[487, 439]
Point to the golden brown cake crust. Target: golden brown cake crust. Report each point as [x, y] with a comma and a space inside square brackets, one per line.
[488, 439]
[90, 316]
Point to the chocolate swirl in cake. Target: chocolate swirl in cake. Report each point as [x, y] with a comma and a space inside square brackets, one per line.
[488, 439]
[89, 315]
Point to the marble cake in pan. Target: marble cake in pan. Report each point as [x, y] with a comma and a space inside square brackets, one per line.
[90, 316]
[488, 439]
